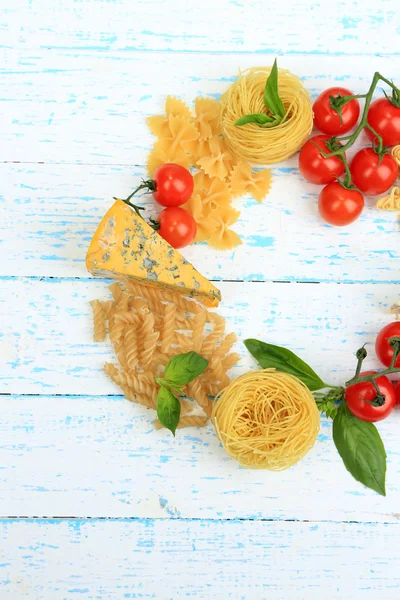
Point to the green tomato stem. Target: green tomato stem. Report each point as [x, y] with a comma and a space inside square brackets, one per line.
[363, 123]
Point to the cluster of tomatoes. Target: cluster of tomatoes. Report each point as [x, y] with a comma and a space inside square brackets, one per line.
[372, 171]
[171, 187]
[360, 396]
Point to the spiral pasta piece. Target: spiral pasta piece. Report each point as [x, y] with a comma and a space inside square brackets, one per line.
[168, 326]
[131, 348]
[196, 391]
[186, 421]
[99, 323]
[208, 345]
[199, 322]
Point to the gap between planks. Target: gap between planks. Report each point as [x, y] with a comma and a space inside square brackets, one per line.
[61, 519]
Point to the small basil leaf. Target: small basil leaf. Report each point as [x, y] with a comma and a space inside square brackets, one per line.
[183, 368]
[272, 99]
[168, 409]
[282, 359]
[258, 118]
[361, 448]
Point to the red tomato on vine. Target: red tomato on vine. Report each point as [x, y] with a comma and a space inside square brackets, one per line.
[334, 116]
[177, 226]
[314, 167]
[339, 205]
[372, 173]
[173, 185]
[359, 397]
[383, 349]
[384, 118]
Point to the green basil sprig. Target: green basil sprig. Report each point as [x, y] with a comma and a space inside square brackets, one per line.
[361, 448]
[272, 101]
[180, 370]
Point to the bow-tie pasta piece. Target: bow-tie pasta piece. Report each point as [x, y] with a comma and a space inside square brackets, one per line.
[218, 194]
[162, 154]
[208, 117]
[203, 215]
[243, 180]
[239, 178]
[224, 238]
[260, 184]
[182, 133]
[219, 162]
[177, 108]
[159, 125]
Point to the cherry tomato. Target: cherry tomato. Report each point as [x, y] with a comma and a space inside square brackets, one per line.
[373, 174]
[338, 205]
[383, 349]
[327, 119]
[357, 394]
[398, 392]
[177, 226]
[314, 167]
[173, 185]
[384, 117]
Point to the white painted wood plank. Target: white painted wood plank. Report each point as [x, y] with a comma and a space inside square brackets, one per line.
[90, 107]
[46, 329]
[223, 26]
[100, 457]
[54, 560]
[51, 212]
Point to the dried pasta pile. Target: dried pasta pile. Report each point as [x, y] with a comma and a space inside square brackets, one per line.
[147, 327]
[196, 141]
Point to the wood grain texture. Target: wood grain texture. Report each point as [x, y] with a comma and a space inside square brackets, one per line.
[52, 211]
[101, 457]
[54, 560]
[76, 83]
[225, 26]
[90, 107]
[46, 330]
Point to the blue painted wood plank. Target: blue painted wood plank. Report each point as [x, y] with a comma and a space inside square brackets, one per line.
[125, 559]
[91, 456]
[225, 26]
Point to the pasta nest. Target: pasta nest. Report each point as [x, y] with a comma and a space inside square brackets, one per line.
[265, 145]
[266, 419]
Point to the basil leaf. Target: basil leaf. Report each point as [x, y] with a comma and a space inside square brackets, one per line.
[271, 94]
[168, 409]
[282, 359]
[361, 448]
[258, 118]
[183, 368]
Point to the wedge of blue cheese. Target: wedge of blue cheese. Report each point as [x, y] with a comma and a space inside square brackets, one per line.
[125, 246]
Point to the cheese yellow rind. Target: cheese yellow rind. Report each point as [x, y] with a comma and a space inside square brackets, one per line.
[125, 246]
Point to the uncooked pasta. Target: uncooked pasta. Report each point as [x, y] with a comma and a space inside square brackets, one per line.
[265, 145]
[148, 326]
[390, 201]
[266, 419]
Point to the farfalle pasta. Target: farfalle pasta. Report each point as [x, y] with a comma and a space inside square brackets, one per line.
[195, 140]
